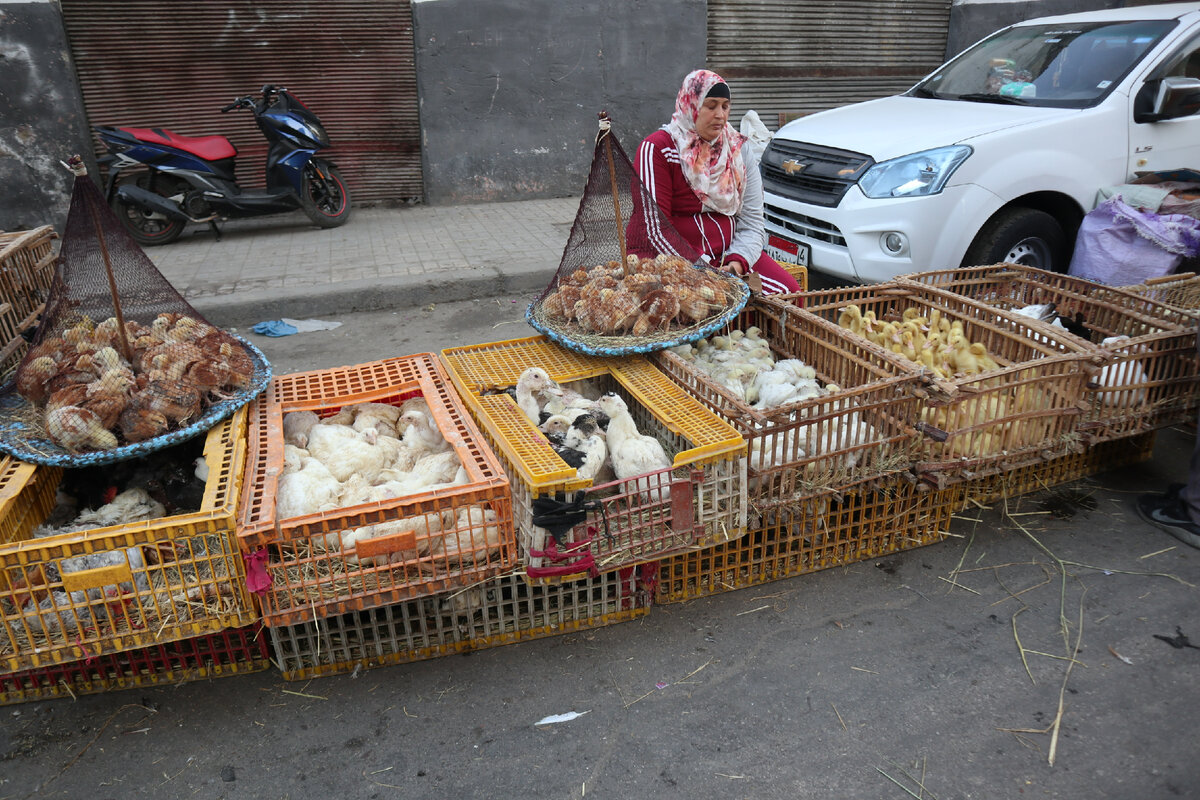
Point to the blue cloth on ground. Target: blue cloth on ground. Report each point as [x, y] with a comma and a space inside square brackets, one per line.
[274, 327]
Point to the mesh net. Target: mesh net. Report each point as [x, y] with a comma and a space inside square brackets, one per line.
[628, 281]
[121, 364]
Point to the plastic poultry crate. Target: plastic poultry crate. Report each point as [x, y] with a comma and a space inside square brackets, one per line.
[1027, 408]
[1151, 380]
[858, 523]
[310, 578]
[237, 651]
[1180, 291]
[638, 521]
[807, 448]
[26, 269]
[1039, 475]
[499, 611]
[160, 579]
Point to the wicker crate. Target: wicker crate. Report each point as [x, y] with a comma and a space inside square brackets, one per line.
[1150, 381]
[237, 651]
[498, 611]
[707, 498]
[198, 585]
[1181, 291]
[309, 579]
[26, 270]
[1027, 408]
[865, 521]
[803, 449]
[1038, 475]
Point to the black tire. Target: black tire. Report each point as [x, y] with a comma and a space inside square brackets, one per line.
[324, 196]
[1020, 236]
[147, 229]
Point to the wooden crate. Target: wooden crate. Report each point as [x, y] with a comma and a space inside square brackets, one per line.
[310, 579]
[1180, 291]
[237, 651]
[1150, 381]
[803, 449]
[636, 520]
[865, 521]
[197, 587]
[27, 261]
[1025, 409]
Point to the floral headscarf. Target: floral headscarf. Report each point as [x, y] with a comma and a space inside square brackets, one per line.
[713, 169]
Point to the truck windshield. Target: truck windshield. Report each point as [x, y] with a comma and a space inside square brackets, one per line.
[1057, 66]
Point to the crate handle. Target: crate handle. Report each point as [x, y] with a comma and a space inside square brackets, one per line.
[386, 545]
[96, 578]
[683, 515]
[1178, 276]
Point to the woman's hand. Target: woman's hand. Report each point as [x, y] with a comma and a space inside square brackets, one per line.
[732, 264]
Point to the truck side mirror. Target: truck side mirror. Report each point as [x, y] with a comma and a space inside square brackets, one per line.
[1176, 97]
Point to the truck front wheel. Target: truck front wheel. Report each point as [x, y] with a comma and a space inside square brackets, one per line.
[1020, 236]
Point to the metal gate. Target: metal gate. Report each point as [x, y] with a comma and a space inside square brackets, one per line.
[147, 63]
[795, 58]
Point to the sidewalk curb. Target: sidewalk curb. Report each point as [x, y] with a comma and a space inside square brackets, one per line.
[322, 301]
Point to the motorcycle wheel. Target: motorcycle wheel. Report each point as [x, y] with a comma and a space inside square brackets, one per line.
[324, 196]
[147, 229]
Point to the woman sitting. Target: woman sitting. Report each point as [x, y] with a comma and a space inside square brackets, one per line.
[707, 184]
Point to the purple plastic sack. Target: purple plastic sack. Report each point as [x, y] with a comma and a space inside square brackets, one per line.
[1121, 245]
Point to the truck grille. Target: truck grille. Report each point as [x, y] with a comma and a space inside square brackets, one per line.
[810, 173]
[809, 227]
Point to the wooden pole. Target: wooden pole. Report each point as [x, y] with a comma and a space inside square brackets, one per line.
[605, 132]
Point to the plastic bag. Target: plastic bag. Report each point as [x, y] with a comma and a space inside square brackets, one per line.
[758, 134]
[1121, 246]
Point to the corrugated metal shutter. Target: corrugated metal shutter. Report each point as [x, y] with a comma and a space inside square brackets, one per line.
[142, 63]
[784, 57]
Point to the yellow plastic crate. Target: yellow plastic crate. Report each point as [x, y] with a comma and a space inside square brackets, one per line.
[803, 449]
[1150, 381]
[198, 588]
[707, 499]
[499, 611]
[309, 580]
[861, 522]
[238, 651]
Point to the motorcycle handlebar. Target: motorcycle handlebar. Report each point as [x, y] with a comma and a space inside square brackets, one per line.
[248, 101]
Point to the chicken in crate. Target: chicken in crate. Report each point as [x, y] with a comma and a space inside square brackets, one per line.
[611, 463]
[120, 364]
[1144, 351]
[818, 410]
[104, 559]
[1002, 389]
[369, 484]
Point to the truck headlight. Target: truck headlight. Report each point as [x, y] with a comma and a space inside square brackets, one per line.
[915, 175]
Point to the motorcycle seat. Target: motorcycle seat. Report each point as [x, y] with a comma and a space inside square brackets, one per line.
[210, 148]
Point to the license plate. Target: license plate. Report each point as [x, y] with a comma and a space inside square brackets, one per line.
[782, 249]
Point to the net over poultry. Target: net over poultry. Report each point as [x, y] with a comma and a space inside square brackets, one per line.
[120, 365]
[628, 281]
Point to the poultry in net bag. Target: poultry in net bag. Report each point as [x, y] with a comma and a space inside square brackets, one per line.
[628, 282]
[121, 364]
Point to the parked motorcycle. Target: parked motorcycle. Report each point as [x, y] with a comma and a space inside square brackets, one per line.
[184, 179]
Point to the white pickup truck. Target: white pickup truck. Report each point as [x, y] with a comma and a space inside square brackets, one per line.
[997, 155]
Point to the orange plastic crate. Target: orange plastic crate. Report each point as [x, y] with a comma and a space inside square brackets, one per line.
[199, 588]
[707, 498]
[309, 580]
[237, 651]
[499, 611]
[803, 449]
[865, 521]
[1151, 381]
[1026, 409]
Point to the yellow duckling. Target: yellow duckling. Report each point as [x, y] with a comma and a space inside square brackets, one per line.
[870, 326]
[965, 361]
[985, 361]
[907, 345]
[851, 318]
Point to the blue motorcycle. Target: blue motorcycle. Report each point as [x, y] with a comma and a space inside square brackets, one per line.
[182, 179]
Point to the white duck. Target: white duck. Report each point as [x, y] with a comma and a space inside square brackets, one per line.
[632, 453]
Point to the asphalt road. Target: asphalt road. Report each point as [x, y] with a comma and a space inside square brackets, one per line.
[1038, 630]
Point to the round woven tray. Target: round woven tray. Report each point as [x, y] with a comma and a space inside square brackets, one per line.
[573, 337]
[27, 441]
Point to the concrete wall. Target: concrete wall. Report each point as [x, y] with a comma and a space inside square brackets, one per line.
[510, 89]
[971, 20]
[41, 116]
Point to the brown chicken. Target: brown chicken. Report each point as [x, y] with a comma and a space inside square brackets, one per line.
[78, 430]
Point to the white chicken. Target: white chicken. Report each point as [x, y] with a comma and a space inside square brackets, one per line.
[130, 505]
[296, 425]
[421, 434]
[306, 490]
[473, 539]
[632, 453]
[345, 451]
[425, 526]
[376, 419]
[61, 611]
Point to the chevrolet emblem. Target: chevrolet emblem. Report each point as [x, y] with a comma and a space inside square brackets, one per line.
[792, 166]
